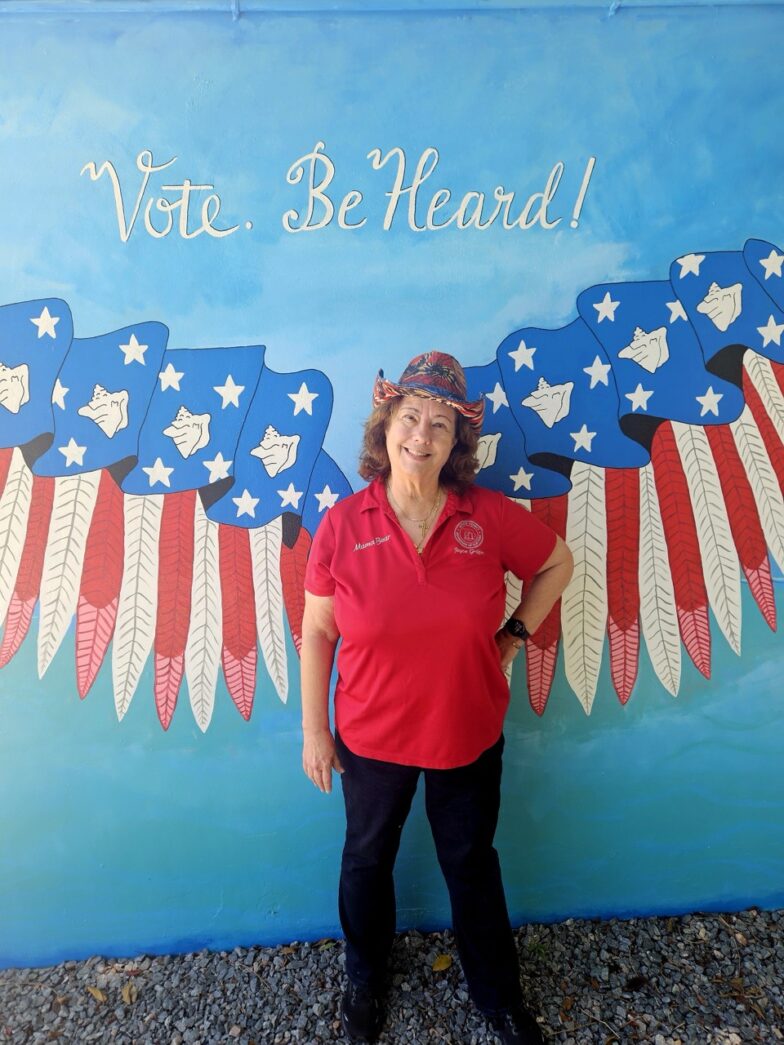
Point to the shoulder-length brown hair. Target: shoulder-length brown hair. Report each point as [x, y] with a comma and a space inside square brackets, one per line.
[458, 472]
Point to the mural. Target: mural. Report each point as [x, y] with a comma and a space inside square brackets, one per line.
[168, 498]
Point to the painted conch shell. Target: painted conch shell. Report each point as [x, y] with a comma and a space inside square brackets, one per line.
[722, 305]
[648, 350]
[487, 449]
[109, 410]
[14, 387]
[551, 402]
[190, 432]
[275, 451]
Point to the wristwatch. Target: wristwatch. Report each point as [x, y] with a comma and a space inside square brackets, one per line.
[516, 628]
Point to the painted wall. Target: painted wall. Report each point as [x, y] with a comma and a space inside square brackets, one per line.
[654, 129]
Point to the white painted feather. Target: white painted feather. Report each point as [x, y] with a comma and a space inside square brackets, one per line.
[764, 380]
[14, 512]
[764, 483]
[205, 633]
[658, 615]
[72, 510]
[138, 605]
[268, 588]
[584, 603]
[720, 565]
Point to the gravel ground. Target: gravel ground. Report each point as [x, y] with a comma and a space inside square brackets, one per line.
[700, 978]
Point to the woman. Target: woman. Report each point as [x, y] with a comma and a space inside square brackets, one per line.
[409, 574]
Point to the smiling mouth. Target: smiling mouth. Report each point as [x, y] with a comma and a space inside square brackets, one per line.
[415, 455]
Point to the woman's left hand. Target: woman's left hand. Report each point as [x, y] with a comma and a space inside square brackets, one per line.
[508, 647]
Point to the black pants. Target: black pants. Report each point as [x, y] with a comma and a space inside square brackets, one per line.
[462, 807]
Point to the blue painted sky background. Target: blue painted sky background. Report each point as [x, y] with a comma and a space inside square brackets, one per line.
[121, 837]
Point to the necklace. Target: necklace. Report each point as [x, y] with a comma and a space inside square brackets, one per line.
[423, 524]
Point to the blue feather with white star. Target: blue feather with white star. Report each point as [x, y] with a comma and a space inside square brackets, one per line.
[328, 485]
[108, 380]
[277, 448]
[765, 262]
[34, 339]
[196, 413]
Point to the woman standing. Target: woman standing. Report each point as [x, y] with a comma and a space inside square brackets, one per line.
[409, 575]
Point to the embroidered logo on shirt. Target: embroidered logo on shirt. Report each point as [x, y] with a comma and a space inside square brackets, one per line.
[469, 534]
[371, 543]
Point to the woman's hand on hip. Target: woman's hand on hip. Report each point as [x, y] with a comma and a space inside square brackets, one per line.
[319, 758]
[508, 647]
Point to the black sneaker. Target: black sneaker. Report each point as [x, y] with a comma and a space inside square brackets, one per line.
[360, 1013]
[516, 1027]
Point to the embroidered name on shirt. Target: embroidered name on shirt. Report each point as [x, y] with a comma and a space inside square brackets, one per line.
[372, 543]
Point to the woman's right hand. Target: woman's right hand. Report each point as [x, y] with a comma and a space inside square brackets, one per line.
[319, 758]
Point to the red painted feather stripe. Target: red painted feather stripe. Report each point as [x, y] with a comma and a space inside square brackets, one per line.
[5, 464]
[292, 575]
[770, 436]
[743, 518]
[778, 373]
[541, 650]
[99, 591]
[683, 549]
[175, 576]
[622, 501]
[239, 654]
[17, 623]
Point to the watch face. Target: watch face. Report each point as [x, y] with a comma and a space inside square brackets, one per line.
[517, 628]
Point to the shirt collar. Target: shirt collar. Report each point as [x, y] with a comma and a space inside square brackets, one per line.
[375, 496]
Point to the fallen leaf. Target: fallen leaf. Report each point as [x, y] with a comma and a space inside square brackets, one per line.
[287, 950]
[568, 1002]
[129, 993]
[741, 939]
[97, 993]
[442, 962]
[326, 944]
[235, 1031]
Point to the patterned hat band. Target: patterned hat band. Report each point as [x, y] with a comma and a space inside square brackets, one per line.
[432, 375]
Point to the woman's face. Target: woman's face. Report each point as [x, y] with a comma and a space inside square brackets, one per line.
[420, 437]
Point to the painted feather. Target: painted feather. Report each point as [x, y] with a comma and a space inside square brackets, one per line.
[136, 610]
[14, 510]
[744, 519]
[764, 484]
[767, 430]
[513, 585]
[761, 374]
[584, 602]
[266, 558]
[239, 654]
[541, 649]
[72, 509]
[28, 578]
[99, 591]
[683, 548]
[658, 616]
[203, 648]
[719, 559]
[292, 575]
[622, 505]
[175, 578]
[6, 455]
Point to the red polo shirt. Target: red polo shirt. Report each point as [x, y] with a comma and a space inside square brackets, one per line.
[419, 676]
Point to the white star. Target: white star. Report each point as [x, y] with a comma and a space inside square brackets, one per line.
[133, 351]
[158, 473]
[326, 498]
[772, 264]
[771, 332]
[303, 400]
[690, 263]
[677, 311]
[218, 468]
[597, 372]
[497, 397]
[59, 393]
[522, 478]
[246, 505]
[639, 398]
[523, 356]
[46, 323]
[72, 453]
[583, 438]
[170, 378]
[229, 392]
[606, 308]
[290, 496]
[709, 402]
